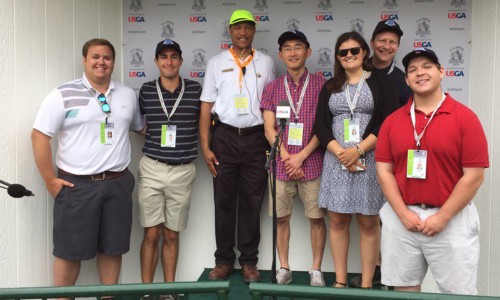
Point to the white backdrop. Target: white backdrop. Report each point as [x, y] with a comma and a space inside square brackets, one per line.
[200, 27]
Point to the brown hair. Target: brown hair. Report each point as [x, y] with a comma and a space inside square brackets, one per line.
[336, 84]
[97, 42]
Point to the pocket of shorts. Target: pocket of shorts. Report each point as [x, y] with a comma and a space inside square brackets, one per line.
[473, 219]
[60, 193]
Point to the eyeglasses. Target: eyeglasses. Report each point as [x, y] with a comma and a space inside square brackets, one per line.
[104, 104]
[344, 52]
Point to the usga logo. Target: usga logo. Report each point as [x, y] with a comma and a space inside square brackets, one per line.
[136, 19]
[134, 74]
[326, 74]
[322, 17]
[389, 17]
[225, 46]
[456, 15]
[197, 74]
[423, 44]
[261, 18]
[197, 19]
[456, 73]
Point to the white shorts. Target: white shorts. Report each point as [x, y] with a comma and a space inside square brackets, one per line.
[452, 255]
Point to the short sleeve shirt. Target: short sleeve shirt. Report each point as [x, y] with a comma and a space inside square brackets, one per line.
[222, 83]
[274, 92]
[454, 140]
[73, 112]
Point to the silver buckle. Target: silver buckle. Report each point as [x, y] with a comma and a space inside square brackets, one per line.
[99, 179]
[424, 206]
[239, 131]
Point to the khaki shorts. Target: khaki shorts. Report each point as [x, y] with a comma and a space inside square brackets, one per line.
[165, 193]
[308, 193]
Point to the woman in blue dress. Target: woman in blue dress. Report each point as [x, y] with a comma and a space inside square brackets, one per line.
[351, 108]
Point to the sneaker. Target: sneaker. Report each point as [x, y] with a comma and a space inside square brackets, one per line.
[284, 276]
[146, 297]
[316, 278]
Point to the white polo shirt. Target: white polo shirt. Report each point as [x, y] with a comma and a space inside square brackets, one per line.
[222, 84]
[73, 112]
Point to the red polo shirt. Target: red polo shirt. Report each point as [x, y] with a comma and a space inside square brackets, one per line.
[454, 140]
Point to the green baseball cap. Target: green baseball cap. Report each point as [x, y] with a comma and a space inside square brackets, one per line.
[241, 15]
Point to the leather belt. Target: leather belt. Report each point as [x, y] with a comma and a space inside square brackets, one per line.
[424, 206]
[106, 175]
[243, 130]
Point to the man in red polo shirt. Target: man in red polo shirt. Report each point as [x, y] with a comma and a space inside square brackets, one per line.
[431, 156]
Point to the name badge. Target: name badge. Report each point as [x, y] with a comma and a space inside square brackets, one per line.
[351, 130]
[241, 104]
[417, 164]
[295, 134]
[168, 135]
[107, 133]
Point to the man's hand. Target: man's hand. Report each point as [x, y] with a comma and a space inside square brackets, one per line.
[411, 221]
[299, 174]
[211, 161]
[433, 225]
[55, 185]
[293, 163]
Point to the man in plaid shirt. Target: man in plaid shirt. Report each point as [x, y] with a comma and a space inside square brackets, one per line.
[300, 159]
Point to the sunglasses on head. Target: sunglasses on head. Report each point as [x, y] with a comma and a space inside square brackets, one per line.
[104, 104]
[344, 52]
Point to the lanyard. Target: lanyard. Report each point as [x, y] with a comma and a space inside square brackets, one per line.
[391, 69]
[296, 111]
[418, 137]
[241, 64]
[174, 108]
[352, 102]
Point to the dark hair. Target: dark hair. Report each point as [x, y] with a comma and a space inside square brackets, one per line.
[336, 84]
[97, 42]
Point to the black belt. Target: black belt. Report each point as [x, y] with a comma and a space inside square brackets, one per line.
[424, 206]
[243, 130]
[106, 175]
[168, 163]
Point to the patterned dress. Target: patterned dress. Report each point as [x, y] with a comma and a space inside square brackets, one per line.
[342, 191]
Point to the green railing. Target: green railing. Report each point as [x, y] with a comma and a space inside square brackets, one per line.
[259, 290]
[121, 291]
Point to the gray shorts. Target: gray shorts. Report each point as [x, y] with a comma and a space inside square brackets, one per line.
[93, 217]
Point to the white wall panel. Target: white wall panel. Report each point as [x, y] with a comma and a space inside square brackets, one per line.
[30, 85]
[8, 205]
[484, 93]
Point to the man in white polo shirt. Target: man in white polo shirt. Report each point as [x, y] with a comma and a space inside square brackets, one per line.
[92, 117]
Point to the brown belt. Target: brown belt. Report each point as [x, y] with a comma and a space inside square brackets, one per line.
[106, 175]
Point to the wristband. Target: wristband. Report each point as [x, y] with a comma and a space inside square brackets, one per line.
[360, 150]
